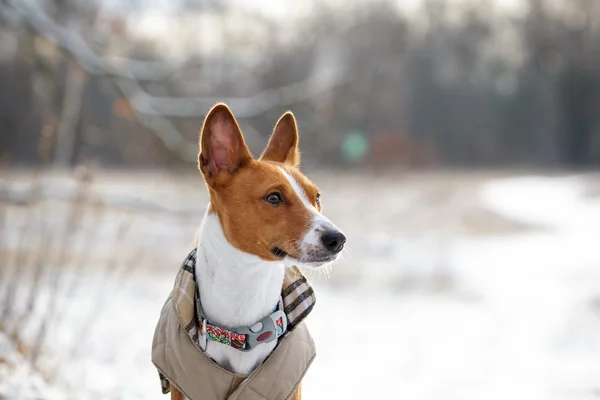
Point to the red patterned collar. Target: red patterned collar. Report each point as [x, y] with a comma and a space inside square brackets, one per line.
[245, 338]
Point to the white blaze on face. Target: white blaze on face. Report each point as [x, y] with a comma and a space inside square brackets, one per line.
[311, 246]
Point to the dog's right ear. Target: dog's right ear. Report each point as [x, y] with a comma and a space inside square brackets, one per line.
[283, 144]
[222, 147]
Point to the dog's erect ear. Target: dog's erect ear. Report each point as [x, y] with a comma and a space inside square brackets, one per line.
[222, 147]
[283, 144]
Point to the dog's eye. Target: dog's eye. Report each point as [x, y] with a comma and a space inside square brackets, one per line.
[274, 198]
[318, 199]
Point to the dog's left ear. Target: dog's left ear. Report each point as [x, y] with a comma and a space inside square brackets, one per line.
[283, 144]
[222, 147]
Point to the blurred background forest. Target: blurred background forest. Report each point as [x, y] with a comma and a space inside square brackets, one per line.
[120, 84]
[456, 144]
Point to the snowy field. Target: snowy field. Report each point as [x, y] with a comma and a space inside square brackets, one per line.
[453, 285]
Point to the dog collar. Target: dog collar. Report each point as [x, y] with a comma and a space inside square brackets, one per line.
[244, 338]
[296, 302]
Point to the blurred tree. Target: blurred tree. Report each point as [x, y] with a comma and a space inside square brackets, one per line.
[445, 86]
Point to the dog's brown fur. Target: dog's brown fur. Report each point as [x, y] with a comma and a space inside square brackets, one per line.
[238, 185]
[176, 394]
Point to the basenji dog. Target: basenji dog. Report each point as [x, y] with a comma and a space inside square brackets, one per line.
[264, 216]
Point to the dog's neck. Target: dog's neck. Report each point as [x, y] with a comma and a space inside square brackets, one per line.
[236, 288]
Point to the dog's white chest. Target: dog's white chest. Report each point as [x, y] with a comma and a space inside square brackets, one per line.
[236, 289]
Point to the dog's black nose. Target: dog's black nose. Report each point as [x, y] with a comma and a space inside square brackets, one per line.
[333, 241]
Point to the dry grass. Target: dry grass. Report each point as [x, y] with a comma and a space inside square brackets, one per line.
[57, 250]
[48, 248]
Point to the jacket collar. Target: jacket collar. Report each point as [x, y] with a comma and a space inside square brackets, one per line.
[297, 298]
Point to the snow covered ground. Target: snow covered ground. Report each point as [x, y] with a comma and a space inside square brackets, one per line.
[453, 287]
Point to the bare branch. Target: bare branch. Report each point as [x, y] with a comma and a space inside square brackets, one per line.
[244, 107]
[166, 132]
[174, 106]
[76, 46]
[123, 77]
[151, 111]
